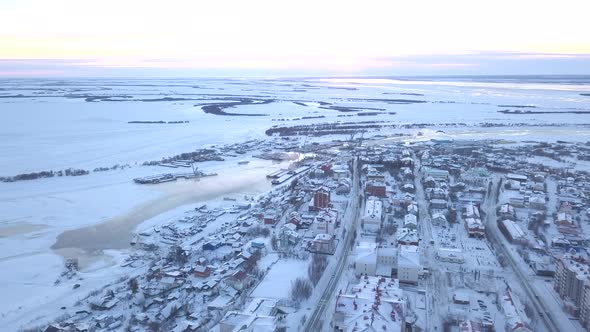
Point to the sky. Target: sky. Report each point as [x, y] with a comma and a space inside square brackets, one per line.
[293, 38]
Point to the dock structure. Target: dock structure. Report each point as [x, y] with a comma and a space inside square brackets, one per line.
[155, 179]
[282, 178]
[168, 165]
[177, 163]
[170, 177]
[277, 174]
[285, 176]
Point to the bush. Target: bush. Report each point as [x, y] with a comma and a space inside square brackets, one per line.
[258, 231]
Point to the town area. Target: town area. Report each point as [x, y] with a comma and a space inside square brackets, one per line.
[366, 234]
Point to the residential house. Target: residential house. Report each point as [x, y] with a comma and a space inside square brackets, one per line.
[410, 221]
[202, 271]
[325, 222]
[239, 280]
[271, 217]
[407, 236]
[438, 204]
[288, 235]
[323, 243]
[295, 219]
[373, 216]
[506, 211]
[412, 208]
[261, 314]
[439, 219]
[537, 203]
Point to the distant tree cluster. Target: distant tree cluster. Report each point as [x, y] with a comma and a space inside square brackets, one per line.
[44, 174]
[219, 108]
[350, 128]
[76, 172]
[112, 168]
[65, 172]
[157, 122]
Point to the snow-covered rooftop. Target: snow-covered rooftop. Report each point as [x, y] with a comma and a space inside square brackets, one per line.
[375, 303]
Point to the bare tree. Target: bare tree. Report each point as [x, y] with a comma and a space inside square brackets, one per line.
[301, 290]
[274, 243]
[317, 267]
[133, 285]
[177, 255]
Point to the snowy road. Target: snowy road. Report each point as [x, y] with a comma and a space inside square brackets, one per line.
[427, 249]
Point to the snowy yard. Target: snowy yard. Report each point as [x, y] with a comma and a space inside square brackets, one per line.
[277, 282]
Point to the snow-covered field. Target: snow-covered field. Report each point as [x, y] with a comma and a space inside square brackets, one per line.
[277, 283]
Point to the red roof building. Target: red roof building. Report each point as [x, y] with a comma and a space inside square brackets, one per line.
[321, 199]
[202, 271]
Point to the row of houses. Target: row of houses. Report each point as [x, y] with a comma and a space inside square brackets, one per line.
[398, 258]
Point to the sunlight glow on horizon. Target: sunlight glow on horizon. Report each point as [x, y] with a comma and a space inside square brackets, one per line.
[274, 34]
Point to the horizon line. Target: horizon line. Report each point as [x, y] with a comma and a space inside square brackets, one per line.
[303, 77]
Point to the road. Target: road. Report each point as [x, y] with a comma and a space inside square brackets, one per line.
[494, 235]
[425, 223]
[436, 300]
[349, 220]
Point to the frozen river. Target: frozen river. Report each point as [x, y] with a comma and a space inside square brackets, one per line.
[50, 125]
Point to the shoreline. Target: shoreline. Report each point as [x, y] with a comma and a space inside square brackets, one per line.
[116, 232]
